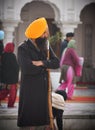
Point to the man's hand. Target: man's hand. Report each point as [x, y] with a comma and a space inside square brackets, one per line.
[37, 63]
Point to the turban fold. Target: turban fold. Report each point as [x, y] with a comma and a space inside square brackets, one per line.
[36, 28]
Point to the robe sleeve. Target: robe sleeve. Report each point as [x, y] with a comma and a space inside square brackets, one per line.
[25, 63]
[52, 62]
[74, 57]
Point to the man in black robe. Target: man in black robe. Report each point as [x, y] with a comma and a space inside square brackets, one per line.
[32, 58]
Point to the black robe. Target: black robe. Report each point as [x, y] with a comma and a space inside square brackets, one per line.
[9, 68]
[33, 102]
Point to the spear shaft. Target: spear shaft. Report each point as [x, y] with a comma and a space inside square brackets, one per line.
[49, 93]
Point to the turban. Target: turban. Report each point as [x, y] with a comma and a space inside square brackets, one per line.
[71, 44]
[36, 28]
[9, 47]
[1, 35]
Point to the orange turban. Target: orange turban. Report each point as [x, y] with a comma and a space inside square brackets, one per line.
[36, 28]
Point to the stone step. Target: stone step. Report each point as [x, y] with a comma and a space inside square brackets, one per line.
[77, 116]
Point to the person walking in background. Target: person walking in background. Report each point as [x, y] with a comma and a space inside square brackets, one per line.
[64, 44]
[1, 51]
[9, 72]
[70, 68]
[58, 103]
[1, 48]
[1, 41]
[34, 64]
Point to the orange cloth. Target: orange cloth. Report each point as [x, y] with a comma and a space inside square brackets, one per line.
[36, 28]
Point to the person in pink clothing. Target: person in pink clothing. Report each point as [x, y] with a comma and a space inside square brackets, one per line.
[70, 67]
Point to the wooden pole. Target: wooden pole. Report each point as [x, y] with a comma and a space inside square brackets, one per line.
[49, 93]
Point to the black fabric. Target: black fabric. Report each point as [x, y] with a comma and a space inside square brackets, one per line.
[70, 34]
[3, 86]
[9, 68]
[33, 101]
[58, 115]
[1, 51]
[63, 46]
[62, 93]
[1, 47]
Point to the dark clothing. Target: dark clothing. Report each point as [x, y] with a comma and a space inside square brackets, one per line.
[63, 46]
[1, 51]
[58, 115]
[58, 104]
[10, 74]
[10, 68]
[33, 102]
[1, 47]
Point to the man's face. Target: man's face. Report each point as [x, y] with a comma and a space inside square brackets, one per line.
[69, 38]
[46, 33]
[41, 41]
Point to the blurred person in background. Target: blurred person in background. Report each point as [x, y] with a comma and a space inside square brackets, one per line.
[9, 72]
[1, 51]
[64, 44]
[70, 68]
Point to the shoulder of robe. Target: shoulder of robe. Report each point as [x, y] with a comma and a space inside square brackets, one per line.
[22, 43]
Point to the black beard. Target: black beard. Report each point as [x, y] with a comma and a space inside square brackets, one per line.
[41, 44]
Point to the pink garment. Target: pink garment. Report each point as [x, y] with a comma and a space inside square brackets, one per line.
[11, 93]
[68, 83]
[75, 63]
[3, 94]
[78, 69]
[70, 58]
